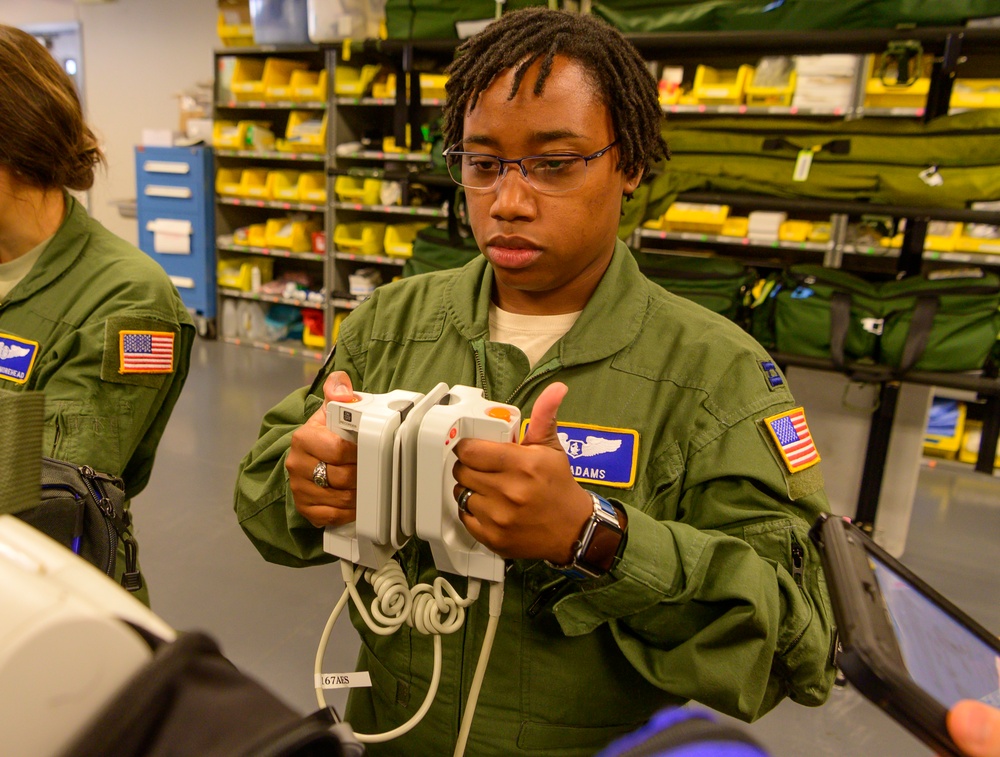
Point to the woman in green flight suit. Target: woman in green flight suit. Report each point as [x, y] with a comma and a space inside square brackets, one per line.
[85, 317]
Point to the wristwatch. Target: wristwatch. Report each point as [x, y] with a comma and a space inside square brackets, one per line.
[595, 551]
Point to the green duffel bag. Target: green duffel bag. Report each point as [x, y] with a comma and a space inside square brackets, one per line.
[641, 16]
[719, 284]
[437, 19]
[945, 320]
[827, 313]
[436, 249]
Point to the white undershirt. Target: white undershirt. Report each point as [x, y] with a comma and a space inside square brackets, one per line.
[11, 273]
[532, 334]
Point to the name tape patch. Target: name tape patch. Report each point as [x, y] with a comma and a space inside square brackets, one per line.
[598, 455]
[17, 358]
[794, 440]
[146, 352]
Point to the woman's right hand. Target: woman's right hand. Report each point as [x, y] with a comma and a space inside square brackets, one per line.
[312, 443]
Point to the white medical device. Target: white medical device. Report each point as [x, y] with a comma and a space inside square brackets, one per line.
[463, 413]
[405, 486]
[67, 641]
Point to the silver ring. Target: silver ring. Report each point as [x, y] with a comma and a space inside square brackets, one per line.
[319, 475]
[463, 500]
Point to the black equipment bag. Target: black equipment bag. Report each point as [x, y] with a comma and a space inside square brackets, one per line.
[84, 510]
[191, 700]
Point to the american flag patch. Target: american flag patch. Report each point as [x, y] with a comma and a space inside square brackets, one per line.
[146, 352]
[794, 440]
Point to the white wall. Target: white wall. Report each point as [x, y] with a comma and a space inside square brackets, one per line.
[137, 54]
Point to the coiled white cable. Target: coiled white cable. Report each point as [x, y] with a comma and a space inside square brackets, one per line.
[432, 609]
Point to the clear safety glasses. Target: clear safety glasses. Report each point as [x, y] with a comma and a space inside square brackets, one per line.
[553, 172]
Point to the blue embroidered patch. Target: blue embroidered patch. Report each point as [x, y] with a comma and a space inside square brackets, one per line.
[17, 356]
[598, 455]
[771, 373]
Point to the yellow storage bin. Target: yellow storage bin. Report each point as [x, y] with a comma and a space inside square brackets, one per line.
[349, 81]
[227, 181]
[337, 320]
[308, 86]
[253, 183]
[942, 236]
[235, 27]
[242, 135]
[695, 217]
[291, 233]
[972, 436]
[248, 79]
[947, 445]
[306, 132]
[256, 80]
[820, 232]
[244, 272]
[283, 186]
[777, 95]
[432, 86]
[888, 94]
[795, 231]
[389, 144]
[399, 238]
[362, 238]
[736, 226]
[976, 93]
[312, 187]
[357, 189]
[309, 339]
[254, 235]
[720, 86]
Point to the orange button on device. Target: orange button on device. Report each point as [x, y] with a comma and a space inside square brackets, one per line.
[499, 412]
[354, 398]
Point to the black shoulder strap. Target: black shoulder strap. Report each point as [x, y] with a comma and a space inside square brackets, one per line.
[919, 333]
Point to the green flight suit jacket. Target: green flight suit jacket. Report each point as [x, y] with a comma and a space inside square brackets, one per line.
[718, 595]
[70, 312]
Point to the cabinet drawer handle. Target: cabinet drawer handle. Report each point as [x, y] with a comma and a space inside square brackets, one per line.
[183, 282]
[164, 166]
[157, 190]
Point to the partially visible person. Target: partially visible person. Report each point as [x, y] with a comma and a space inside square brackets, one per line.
[975, 728]
[85, 317]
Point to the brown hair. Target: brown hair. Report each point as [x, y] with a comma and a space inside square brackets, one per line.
[44, 140]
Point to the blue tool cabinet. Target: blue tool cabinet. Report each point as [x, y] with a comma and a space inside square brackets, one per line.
[176, 218]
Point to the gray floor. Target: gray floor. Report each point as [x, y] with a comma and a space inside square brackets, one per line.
[204, 574]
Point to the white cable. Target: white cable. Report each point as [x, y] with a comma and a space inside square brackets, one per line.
[324, 639]
[496, 602]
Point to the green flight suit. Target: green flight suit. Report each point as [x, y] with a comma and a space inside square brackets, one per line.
[718, 595]
[69, 312]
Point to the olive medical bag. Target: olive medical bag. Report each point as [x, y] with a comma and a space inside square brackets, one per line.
[945, 320]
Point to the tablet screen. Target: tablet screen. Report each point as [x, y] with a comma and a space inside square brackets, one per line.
[942, 656]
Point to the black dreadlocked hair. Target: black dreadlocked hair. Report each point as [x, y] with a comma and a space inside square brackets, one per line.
[519, 38]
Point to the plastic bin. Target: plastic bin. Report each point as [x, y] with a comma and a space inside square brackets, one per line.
[972, 436]
[234, 26]
[686, 216]
[945, 427]
[244, 273]
[349, 81]
[283, 186]
[331, 21]
[736, 226]
[720, 86]
[253, 183]
[399, 238]
[357, 189]
[227, 181]
[284, 89]
[886, 94]
[242, 135]
[432, 87]
[278, 22]
[312, 332]
[312, 187]
[306, 132]
[976, 93]
[795, 231]
[291, 234]
[775, 95]
[253, 78]
[309, 86]
[254, 235]
[360, 237]
[942, 236]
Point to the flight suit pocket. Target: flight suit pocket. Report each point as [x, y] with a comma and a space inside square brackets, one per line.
[79, 435]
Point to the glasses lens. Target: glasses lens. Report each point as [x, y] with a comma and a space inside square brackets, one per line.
[474, 171]
[554, 173]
